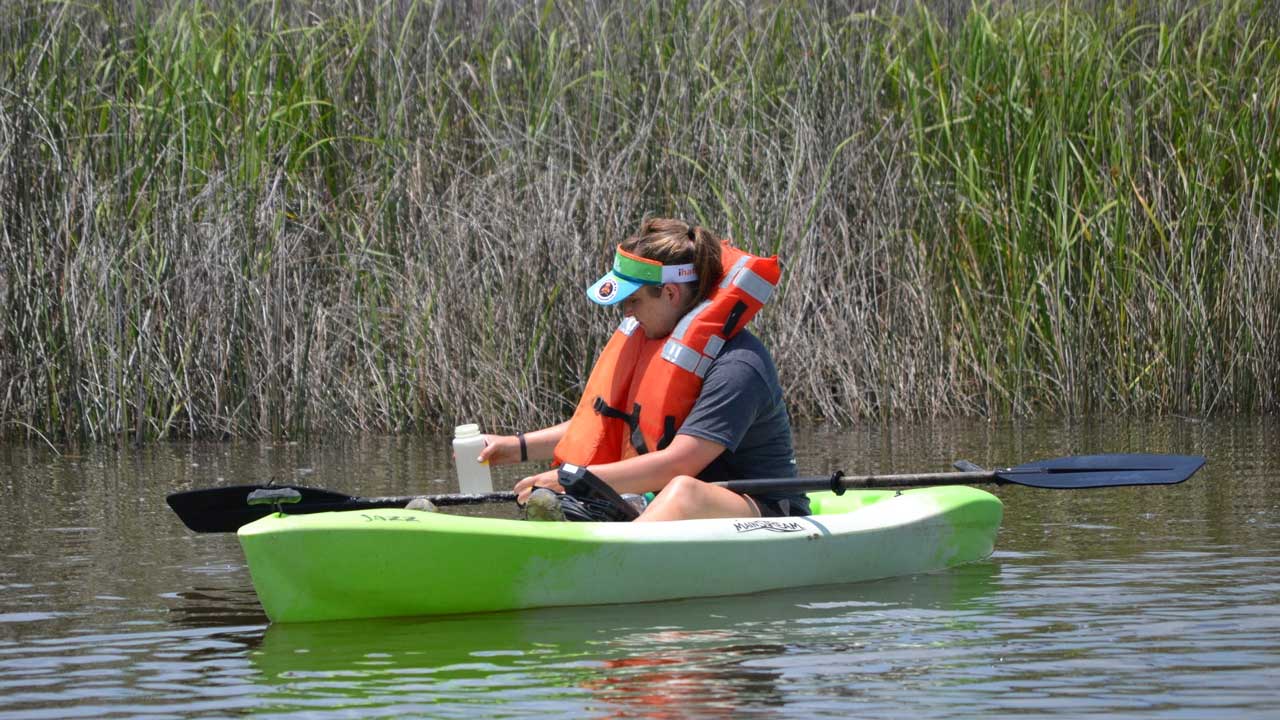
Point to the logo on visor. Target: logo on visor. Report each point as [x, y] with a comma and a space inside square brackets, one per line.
[606, 289]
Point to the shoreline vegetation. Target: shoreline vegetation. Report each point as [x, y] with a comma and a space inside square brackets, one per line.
[273, 219]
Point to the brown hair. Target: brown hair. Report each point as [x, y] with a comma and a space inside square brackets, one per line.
[675, 242]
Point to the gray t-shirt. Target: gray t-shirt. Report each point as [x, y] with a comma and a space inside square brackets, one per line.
[740, 407]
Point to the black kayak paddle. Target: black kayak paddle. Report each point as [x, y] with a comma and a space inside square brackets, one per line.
[225, 509]
[1069, 473]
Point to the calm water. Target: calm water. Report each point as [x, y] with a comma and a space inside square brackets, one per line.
[1134, 602]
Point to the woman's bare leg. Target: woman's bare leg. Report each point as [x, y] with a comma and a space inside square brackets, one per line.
[688, 498]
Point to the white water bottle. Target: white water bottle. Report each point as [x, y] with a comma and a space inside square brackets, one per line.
[473, 476]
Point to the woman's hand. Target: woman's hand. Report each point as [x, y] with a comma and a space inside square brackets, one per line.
[549, 479]
[500, 450]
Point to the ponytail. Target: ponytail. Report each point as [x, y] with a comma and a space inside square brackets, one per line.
[706, 260]
[675, 242]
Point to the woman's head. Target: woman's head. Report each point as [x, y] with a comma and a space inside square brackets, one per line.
[663, 252]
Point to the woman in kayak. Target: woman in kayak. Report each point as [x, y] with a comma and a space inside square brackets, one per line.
[682, 395]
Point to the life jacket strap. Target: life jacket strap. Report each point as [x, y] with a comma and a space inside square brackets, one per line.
[668, 431]
[632, 419]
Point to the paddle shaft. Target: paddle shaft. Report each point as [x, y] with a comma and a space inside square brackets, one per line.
[441, 500]
[836, 483]
[761, 485]
[839, 483]
[224, 509]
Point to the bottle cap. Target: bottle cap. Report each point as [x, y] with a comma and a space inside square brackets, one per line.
[466, 430]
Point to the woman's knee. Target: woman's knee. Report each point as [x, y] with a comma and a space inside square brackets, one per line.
[684, 486]
[682, 491]
[686, 497]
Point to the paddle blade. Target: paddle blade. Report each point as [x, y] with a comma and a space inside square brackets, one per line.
[225, 509]
[1095, 471]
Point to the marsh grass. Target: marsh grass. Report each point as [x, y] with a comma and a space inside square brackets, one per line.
[273, 219]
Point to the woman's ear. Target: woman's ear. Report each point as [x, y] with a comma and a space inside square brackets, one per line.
[680, 295]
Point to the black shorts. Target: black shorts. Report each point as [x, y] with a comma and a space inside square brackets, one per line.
[772, 507]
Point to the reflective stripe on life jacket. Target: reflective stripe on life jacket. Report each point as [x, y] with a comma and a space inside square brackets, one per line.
[640, 390]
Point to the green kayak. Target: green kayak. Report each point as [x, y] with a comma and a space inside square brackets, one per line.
[384, 563]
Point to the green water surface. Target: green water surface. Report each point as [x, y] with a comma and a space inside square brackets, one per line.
[1130, 602]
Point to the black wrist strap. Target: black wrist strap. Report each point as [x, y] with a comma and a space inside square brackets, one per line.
[524, 447]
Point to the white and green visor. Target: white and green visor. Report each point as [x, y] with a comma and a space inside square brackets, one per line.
[630, 272]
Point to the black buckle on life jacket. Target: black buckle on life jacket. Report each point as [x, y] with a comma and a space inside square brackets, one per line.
[632, 419]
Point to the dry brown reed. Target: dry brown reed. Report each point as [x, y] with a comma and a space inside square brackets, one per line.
[275, 219]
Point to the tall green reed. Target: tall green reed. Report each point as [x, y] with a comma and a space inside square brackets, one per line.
[1094, 172]
[246, 219]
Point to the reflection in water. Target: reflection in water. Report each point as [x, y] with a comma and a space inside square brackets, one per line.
[213, 607]
[647, 660]
[663, 684]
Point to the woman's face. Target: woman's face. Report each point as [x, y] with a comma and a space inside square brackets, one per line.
[657, 314]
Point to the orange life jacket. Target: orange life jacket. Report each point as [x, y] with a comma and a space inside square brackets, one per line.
[640, 390]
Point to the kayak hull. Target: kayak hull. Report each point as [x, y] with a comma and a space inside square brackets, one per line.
[386, 563]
